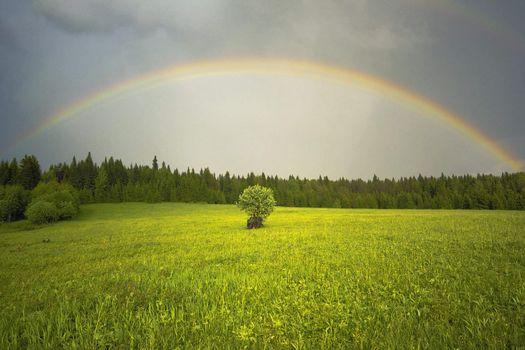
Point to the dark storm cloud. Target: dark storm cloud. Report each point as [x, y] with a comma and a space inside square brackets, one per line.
[54, 52]
[8, 39]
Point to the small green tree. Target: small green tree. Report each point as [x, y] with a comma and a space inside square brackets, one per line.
[258, 203]
[42, 212]
[52, 201]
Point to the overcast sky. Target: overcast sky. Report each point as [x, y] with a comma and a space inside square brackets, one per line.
[467, 58]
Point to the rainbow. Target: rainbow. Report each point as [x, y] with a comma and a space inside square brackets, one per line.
[280, 67]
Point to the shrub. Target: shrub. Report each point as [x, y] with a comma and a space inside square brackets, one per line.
[42, 212]
[56, 192]
[67, 211]
[258, 203]
[53, 201]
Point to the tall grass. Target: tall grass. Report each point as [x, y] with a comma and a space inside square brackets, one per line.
[191, 276]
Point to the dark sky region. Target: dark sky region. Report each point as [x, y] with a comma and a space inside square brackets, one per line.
[466, 56]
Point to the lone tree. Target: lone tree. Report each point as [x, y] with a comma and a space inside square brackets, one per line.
[258, 203]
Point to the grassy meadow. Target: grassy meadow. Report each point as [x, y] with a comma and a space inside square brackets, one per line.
[155, 276]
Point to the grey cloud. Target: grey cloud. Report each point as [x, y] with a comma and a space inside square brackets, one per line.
[76, 47]
[8, 39]
[354, 26]
[259, 25]
[81, 16]
[99, 16]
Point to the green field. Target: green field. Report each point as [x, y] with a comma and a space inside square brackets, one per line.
[191, 276]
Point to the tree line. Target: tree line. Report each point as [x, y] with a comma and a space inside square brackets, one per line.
[24, 195]
[112, 181]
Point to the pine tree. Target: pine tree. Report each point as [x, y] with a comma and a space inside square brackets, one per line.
[4, 173]
[227, 188]
[75, 175]
[30, 172]
[155, 164]
[61, 172]
[89, 173]
[142, 183]
[102, 187]
[12, 177]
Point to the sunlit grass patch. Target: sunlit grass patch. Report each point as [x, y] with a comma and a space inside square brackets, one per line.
[187, 275]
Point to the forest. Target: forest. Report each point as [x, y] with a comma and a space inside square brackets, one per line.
[112, 181]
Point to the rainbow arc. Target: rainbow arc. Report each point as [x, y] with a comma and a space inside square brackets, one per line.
[281, 67]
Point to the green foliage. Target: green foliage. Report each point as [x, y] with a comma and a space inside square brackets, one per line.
[168, 276]
[153, 196]
[42, 212]
[55, 192]
[13, 202]
[86, 196]
[6, 177]
[4, 210]
[111, 181]
[88, 173]
[53, 201]
[102, 186]
[30, 172]
[258, 203]
[155, 164]
[10, 173]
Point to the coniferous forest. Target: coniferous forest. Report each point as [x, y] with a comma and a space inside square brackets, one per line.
[112, 181]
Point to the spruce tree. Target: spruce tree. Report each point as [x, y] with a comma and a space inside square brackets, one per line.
[89, 173]
[102, 187]
[155, 164]
[75, 175]
[30, 172]
[4, 173]
[12, 177]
